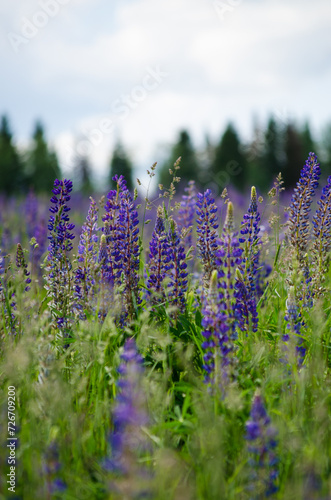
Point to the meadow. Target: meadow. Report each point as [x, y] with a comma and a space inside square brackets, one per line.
[176, 348]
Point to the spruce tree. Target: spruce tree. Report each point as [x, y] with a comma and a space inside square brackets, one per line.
[120, 164]
[189, 168]
[11, 166]
[42, 163]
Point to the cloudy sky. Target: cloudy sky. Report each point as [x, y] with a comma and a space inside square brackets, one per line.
[97, 70]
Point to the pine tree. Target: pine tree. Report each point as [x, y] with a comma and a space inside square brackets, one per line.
[230, 163]
[11, 166]
[294, 158]
[120, 164]
[42, 163]
[189, 168]
[82, 175]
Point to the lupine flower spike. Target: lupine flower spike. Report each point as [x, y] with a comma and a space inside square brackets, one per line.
[261, 437]
[186, 213]
[322, 237]
[207, 225]
[220, 314]
[59, 281]
[298, 224]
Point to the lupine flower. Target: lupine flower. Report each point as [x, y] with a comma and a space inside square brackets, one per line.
[294, 325]
[247, 279]
[87, 257]
[128, 442]
[128, 244]
[207, 226]
[186, 212]
[177, 286]
[59, 279]
[261, 444]
[299, 209]
[322, 235]
[159, 263]
[221, 315]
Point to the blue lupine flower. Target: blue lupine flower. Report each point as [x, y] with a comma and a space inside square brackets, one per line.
[300, 206]
[207, 225]
[177, 286]
[221, 315]
[322, 235]
[159, 263]
[261, 437]
[59, 279]
[87, 259]
[51, 468]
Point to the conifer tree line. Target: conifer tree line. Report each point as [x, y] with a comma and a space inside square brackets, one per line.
[276, 147]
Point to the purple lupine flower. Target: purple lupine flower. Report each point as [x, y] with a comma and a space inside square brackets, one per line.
[159, 263]
[21, 264]
[247, 277]
[87, 258]
[177, 286]
[221, 315]
[59, 279]
[294, 324]
[128, 442]
[298, 223]
[186, 212]
[207, 225]
[322, 235]
[261, 437]
[7, 300]
[128, 247]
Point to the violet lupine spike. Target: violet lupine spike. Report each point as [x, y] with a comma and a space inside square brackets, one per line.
[59, 280]
[207, 225]
[177, 286]
[322, 235]
[221, 315]
[128, 442]
[21, 264]
[159, 263]
[247, 277]
[128, 246]
[87, 258]
[294, 325]
[186, 212]
[261, 437]
[298, 224]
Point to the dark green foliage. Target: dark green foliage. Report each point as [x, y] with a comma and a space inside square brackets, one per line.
[11, 166]
[120, 164]
[42, 166]
[189, 168]
[229, 164]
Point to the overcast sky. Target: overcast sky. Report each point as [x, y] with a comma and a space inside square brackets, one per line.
[141, 70]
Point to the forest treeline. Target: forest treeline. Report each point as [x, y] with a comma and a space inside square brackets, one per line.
[274, 148]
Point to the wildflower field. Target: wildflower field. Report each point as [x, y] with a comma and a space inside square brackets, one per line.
[169, 349]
